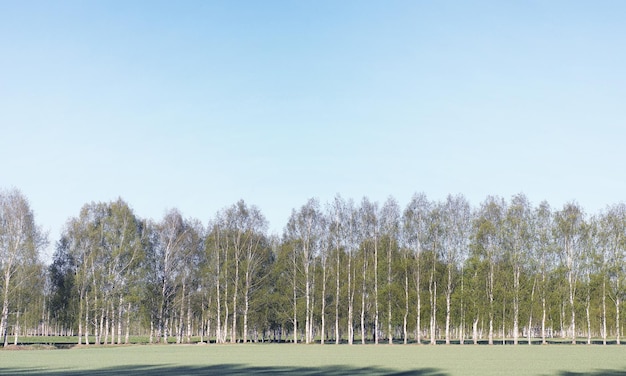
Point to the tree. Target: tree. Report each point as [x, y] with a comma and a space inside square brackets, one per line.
[518, 237]
[304, 230]
[370, 225]
[62, 298]
[390, 218]
[457, 217]
[21, 240]
[336, 221]
[569, 233]
[248, 227]
[344, 228]
[415, 224]
[122, 254]
[544, 249]
[171, 255]
[488, 244]
[614, 236]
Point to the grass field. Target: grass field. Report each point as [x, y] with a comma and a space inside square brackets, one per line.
[272, 359]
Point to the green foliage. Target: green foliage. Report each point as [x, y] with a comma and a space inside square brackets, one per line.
[502, 266]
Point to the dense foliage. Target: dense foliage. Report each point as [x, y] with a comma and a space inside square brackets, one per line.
[434, 271]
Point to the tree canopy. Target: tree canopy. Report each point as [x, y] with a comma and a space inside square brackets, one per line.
[435, 271]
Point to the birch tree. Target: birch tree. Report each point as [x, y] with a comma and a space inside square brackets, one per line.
[614, 224]
[390, 218]
[370, 225]
[170, 258]
[457, 216]
[337, 232]
[21, 241]
[488, 244]
[517, 229]
[305, 230]
[569, 233]
[544, 249]
[415, 224]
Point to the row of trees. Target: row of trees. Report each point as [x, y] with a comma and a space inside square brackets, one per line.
[433, 271]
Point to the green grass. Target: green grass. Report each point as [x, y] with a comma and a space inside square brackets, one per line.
[270, 359]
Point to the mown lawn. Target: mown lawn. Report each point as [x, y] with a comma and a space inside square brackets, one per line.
[271, 359]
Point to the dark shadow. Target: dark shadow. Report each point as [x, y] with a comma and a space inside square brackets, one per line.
[222, 369]
[603, 372]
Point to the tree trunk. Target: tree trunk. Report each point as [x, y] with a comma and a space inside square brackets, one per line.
[87, 320]
[323, 302]
[617, 318]
[119, 321]
[530, 315]
[307, 297]
[127, 339]
[233, 335]
[80, 319]
[432, 289]
[433, 315]
[490, 288]
[16, 331]
[573, 317]
[188, 318]
[516, 306]
[295, 301]
[246, 307]
[405, 335]
[448, 303]
[462, 326]
[350, 302]
[179, 331]
[376, 312]
[543, 309]
[418, 323]
[4, 321]
[389, 333]
[337, 337]
[106, 323]
[475, 331]
[166, 330]
[363, 310]
[603, 311]
[587, 308]
[218, 298]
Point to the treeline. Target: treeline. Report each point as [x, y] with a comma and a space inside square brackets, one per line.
[342, 272]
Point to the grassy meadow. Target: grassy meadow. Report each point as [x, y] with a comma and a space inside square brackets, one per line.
[271, 359]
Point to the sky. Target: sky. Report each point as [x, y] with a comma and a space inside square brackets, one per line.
[195, 105]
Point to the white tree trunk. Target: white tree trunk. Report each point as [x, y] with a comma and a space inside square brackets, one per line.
[617, 319]
[350, 302]
[246, 307]
[307, 296]
[337, 337]
[5, 305]
[127, 338]
[233, 335]
[604, 312]
[119, 321]
[376, 312]
[418, 323]
[405, 334]
[448, 304]
[516, 306]
[323, 333]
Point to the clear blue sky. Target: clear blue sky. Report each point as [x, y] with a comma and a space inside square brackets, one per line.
[197, 104]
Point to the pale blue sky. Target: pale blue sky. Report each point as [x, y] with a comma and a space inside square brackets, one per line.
[197, 104]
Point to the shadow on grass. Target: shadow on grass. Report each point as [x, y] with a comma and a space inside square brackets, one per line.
[222, 369]
[595, 373]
